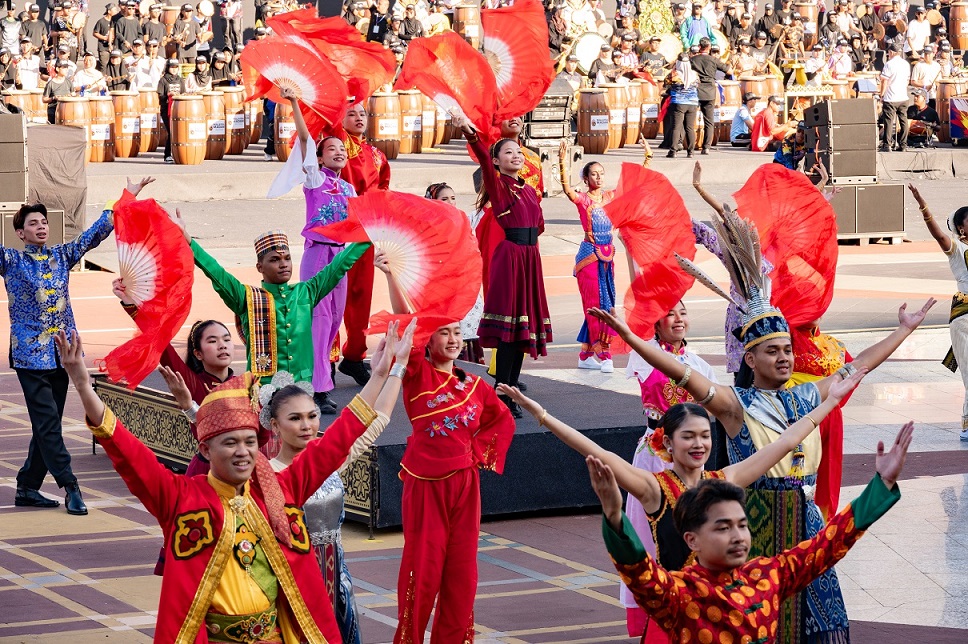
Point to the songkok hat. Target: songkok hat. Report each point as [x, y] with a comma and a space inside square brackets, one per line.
[272, 240]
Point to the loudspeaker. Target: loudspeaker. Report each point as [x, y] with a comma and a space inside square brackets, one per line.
[534, 132]
[874, 210]
[13, 160]
[859, 136]
[847, 163]
[549, 165]
[840, 112]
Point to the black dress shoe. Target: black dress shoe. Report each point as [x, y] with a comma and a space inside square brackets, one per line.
[689, 154]
[521, 386]
[325, 402]
[671, 154]
[73, 501]
[27, 498]
[358, 371]
[704, 152]
[512, 406]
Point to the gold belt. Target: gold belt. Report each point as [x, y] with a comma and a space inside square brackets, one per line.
[250, 629]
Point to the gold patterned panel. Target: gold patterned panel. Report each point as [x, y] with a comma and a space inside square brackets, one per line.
[360, 480]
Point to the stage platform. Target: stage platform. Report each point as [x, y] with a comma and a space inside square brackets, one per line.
[540, 473]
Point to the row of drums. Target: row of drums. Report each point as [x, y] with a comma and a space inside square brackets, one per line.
[407, 122]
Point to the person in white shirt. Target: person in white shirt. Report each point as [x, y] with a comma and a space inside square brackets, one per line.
[589, 16]
[714, 12]
[63, 54]
[918, 32]
[232, 15]
[88, 79]
[28, 66]
[927, 73]
[840, 63]
[140, 68]
[815, 62]
[895, 78]
[157, 62]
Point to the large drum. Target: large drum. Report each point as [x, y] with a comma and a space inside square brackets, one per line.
[428, 122]
[757, 85]
[467, 22]
[150, 127]
[19, 98]
[188, 129]
[958, 29]
[440, 123]
[588, 47]
[236, 134]
[617, 98]
[256, 116]
[214, 125]
[127, 124]
[445, 125]
[38, 111]
[650, 110]
[840, 88]
[411, 111]
[732, 101]
[633, 112]
[75, 111]
[383, 128]
[772, 86]
[948, 87]
[593, 121]
[284, 126]
[810, 12]
[102, 129]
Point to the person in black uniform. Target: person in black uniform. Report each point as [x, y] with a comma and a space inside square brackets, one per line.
[116, 72]
[651, 60]
[379, 21]
[170, 85]
[769, 20]
[153, 29]
[127, 28]
[706, 67]
[220, 71]
[186, 32]
[104, 35]
[923, 121]
[38, 31]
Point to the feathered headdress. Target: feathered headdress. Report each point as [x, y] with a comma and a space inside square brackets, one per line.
[740, 245]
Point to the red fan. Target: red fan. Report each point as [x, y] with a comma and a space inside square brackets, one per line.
[285, 63]
[428, 244]
[452, 73]
[798, 234]
[365, 65]
[157, 268]
[653, 293]
[515, 45]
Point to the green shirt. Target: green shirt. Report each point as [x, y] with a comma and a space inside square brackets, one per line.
[293, 303]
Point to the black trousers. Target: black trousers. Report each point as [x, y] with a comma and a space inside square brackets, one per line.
[709, 122]
[166, 120]
[894, 111]
[45, 391]
[684, 125]
[668, 125]
[269, 131]
[507, 368]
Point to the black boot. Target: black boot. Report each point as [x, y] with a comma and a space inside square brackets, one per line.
[512, 406]
[324, 402]
[73, 501]
[27, 498]
[358, 371]
[521, 386]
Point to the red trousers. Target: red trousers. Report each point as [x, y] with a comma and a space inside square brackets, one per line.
[441, 526]
[830, 471]
[356, 317]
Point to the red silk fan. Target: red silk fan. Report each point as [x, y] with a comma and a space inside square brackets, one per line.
[798, 234]
[515, 45]
[365, 65]
[453, 74]
[284, 63]
[157, 268]
[429, 246]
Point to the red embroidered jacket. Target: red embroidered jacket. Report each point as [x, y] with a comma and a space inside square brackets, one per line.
[367, 167]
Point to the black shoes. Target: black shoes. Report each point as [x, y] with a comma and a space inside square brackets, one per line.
[671, 154]
[33, 499]
[521, 386]
[512, 406]
[73, 501]
[358, 371]
[324, 402]
[704, 152]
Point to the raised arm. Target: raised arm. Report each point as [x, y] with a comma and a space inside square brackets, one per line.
[398, 301]
[565, 183]
[301, 130]
[752, 468]
[708, 198]
[940, 236]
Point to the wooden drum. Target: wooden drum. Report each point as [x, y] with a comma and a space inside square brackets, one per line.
[255, 120]
[732, 101]
[444, 127]
[214, 125]
[840, 88]
[75, 111]
[772, 86]
[236, 135]
[384, 124]
[617, 99]
[467, 22]
[38, 111]
[284, 126]
[958, 29]
[188, 129]
[633, 112]
[948, 87]
[650, 110]
[810, 12]
[102, 129]
[593, 134]
[19, 98]
[428, 123]
[411, 110]
[127, 124]
[150, 127]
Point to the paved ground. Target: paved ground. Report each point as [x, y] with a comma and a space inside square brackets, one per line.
[543, 578]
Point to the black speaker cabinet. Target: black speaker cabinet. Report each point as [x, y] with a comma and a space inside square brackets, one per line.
[842, 165]
[13, 160]
[549, 165]
[840, 112]
[874, 210]
[858, 136]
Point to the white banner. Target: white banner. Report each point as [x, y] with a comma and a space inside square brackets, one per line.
[617, 117]
[149, 120]
[235, 121]
[197, 131]
[388, 127]
[130, 124]
[100, 132]
[411, 123]
[216, 127]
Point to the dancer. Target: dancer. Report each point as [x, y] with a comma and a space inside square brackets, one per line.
[954, 244]
[459, 425]
[239, 559]
[37, 280]
[472, 351]
[697, 602]
[318, 169]
[290, 411]
[516, 317]
[275, 318]
[684, 441]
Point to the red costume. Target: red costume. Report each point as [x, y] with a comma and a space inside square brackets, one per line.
[202, 539]
[458, 425]
[366, 168]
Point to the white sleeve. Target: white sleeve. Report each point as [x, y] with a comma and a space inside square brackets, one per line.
[295, 171]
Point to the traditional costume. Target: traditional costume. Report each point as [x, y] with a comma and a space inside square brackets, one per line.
[240, 566]
[958, 320]
[275, 320]
[742, 604]
[595, 273]
[459, 425]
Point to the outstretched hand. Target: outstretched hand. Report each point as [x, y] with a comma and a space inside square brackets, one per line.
[135, 188]
[612, 319]
[917, 195]
[605, 486]
[180, 222]
[913, 320]
[403, 346]
[839, 390]
[176, 384]
[697, 174]
[529, 405]
[382, 358]
[72, 358]
[890, 464]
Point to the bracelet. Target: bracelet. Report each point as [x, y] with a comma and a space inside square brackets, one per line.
[192, 412]
[398, 370]
[846, 371]
[544, 414]
[685, 377]
[810, 418]
[709, 396]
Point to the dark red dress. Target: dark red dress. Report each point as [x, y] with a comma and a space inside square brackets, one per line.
[515, 307]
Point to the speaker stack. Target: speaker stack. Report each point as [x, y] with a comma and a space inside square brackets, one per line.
[842, 137]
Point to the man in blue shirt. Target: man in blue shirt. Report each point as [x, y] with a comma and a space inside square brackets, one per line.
[695, 27]
[739, 131]
[36, 279]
